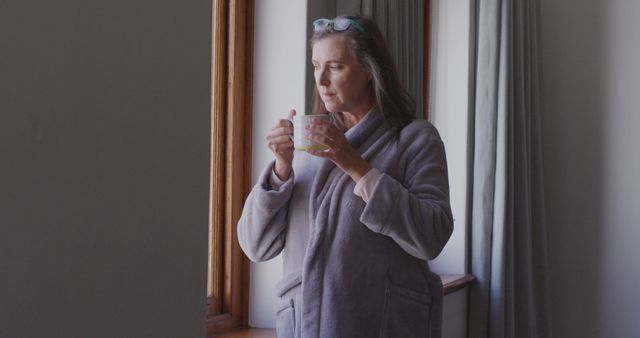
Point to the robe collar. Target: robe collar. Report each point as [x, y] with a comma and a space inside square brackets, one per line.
[366, 127]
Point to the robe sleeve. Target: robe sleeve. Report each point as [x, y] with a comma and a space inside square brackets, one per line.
[415, 213]
[263, 223]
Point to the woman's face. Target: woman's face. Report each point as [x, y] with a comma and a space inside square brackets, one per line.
[342, 82]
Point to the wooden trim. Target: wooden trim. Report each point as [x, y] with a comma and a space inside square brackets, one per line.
[426, 49]
[220, 324]
[218, 136]
[236, 96]
[238, 142]
[213, 306]
[248, 127]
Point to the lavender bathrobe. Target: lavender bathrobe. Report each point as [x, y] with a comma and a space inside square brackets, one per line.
[354, 269]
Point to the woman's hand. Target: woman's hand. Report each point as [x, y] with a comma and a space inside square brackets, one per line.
[280, 142]
[339, 150]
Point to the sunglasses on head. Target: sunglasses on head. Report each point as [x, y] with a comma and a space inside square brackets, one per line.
[337, 24]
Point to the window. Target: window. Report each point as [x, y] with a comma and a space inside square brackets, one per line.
[231, 109]
[450, 59]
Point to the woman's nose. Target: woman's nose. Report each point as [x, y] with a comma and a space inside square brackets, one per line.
[321, 78]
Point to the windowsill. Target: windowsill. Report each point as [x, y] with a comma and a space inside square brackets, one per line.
[452, 283]
[249, 333]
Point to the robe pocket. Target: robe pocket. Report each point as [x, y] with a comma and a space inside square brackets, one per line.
[406, 313]
[287, 283]
[285, 310]
[285, 320]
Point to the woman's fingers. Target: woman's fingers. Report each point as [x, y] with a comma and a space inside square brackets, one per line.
[278, 138]
[280, 131]
[328, 154]
[280, 150]
[284, 126]
[325, 133]
[322, 139]
[284, 148]
[339, 150]
[284, 123]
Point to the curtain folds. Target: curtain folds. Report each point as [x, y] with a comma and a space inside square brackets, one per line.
[507, 236]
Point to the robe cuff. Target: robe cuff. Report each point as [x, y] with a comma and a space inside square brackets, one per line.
[274, 181]
[376, 212]
[365, 186]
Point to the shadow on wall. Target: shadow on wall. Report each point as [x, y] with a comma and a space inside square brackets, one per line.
[573, 58]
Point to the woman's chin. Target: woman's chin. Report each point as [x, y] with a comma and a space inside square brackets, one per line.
[331, 108]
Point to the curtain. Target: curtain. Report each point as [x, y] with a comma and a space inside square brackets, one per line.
[507, 236]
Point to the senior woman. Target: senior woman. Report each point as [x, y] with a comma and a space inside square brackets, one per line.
[356, 223]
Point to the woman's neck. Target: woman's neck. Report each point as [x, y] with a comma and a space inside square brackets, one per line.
[351, 119]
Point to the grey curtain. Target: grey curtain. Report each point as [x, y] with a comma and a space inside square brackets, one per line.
[507, 238]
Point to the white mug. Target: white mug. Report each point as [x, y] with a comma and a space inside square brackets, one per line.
[300, 142]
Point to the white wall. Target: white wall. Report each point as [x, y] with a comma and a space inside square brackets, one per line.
[449, 111]
[104, 175]
[591, 52]
[280, 55]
